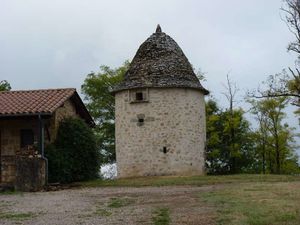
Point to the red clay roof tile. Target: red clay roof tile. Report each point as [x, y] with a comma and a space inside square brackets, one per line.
[33, 101]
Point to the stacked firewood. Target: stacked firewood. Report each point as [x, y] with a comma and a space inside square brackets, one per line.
[29, 151]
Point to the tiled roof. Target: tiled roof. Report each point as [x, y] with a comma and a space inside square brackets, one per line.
[33, 101]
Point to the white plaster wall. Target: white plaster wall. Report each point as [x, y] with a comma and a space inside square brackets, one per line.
[174, 118]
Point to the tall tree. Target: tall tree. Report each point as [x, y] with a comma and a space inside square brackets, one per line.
[261, 135]
[287, 83]
[4, 86]
[230, 94]
[274, 138]
[291, 8]
[220, 149]
[274, 110]
[97, 89]
[214, 155]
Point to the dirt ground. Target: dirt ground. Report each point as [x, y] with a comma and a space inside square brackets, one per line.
[110, 205]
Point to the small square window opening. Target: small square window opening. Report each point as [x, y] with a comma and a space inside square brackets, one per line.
[27, 138]
[139, 96]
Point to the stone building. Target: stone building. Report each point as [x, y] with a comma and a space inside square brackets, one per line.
[28, 121]
[160, 113]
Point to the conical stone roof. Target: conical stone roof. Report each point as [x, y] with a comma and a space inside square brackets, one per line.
[160, 62]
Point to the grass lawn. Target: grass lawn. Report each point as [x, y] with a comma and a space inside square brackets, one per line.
[256, 203]
[236, 199]
[194, 181]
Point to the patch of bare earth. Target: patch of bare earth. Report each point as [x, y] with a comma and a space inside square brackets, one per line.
[118, 205]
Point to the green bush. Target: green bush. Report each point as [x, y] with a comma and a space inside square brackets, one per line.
[74, 155]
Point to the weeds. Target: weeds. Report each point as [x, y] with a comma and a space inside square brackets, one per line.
[16, 216]
[103, 212]
[161, 216]
[119, 202]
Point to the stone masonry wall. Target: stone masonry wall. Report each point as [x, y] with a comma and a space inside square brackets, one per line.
[30, 174]
[10, 144]
[10, 137]
[170, 141]
[65, 111]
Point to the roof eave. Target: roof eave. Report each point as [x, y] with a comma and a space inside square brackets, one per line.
[25, 114]
[203, 90]
[88, 118]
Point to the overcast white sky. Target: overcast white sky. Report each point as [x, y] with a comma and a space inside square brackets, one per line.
[52, 44]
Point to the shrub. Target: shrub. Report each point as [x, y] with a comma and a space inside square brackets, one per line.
[74, 155]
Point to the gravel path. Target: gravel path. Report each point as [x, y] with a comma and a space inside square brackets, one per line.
[106, 206]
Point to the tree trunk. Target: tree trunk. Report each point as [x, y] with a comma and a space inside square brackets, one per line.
[264, 159]
[270, 163]
[277, 155]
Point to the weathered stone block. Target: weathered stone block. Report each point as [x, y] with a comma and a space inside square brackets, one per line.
[30, 174]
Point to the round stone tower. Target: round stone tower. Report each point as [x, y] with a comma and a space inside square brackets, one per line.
[160, 113]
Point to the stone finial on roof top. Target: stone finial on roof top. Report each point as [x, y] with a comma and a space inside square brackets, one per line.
[158, 29]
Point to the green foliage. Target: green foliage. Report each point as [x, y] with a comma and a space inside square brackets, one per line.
[290, 165]
[274, 140]
[161, 216]
[74, 155]
[103, 212]
[4, 86]
[119, 202]
[223, 154]
[100, 103]
[16, 216]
